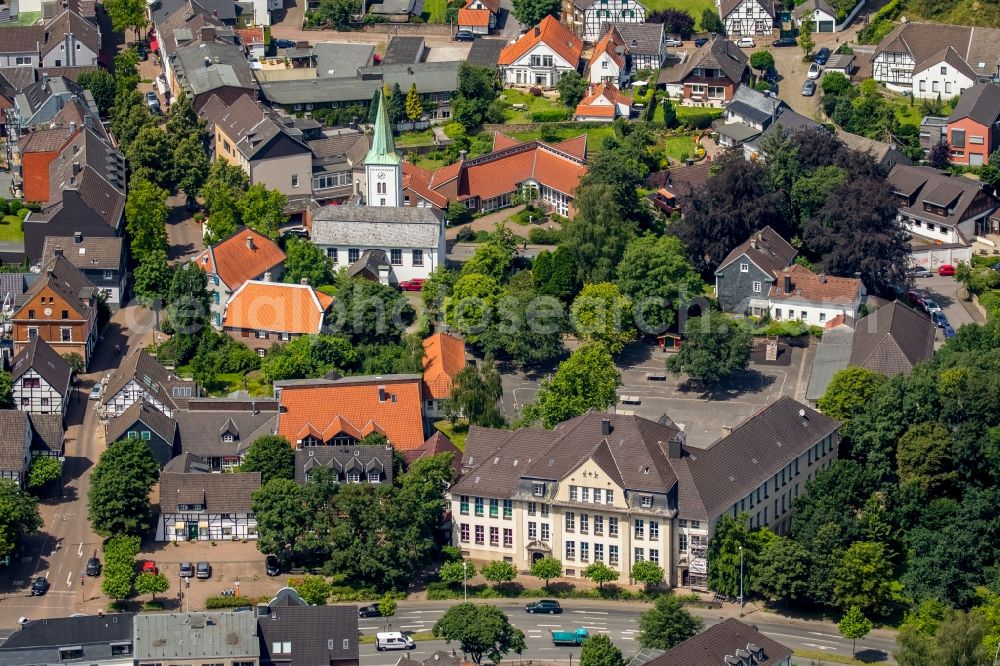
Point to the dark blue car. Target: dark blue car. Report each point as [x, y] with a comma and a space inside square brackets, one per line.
[822, 56]
[949, 332]
[701, 41]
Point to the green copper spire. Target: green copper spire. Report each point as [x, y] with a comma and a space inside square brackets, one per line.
[383, 150]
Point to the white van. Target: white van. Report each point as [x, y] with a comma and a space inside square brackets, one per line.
[393, 640]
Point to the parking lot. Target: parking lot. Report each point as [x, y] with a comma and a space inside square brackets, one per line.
[944, 290]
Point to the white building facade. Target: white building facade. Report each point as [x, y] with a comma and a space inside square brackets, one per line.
[746, 18]
[947, 77]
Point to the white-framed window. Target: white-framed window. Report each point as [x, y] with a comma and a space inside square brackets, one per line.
[545, 532]
[331, 253]
[570, 521]
[570, 550]
[66, 334]
[295, 180]
[573, 493]
[647, 501]
[396, 257]
[418, 257]
[109, 275]
[612, 526]
[354, 477]
[374, 476]
[260, 335]
[584, 551]
[682, 542]
[640, 528]
[744, 268]
[353, 254]
[654, 529]
[613, 554]
[756, 286]
[532, 530]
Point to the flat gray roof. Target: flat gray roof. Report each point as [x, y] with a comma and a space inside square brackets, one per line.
[182, 636]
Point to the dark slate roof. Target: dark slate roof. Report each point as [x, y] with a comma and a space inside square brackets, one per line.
[317, 634]
[202, 430]
[980, 103]
[13, 424]
[717, 53]
[187, 463]
[15, 285]
[753, 104]
[38, 641]
[639, 38]
[19, 78]
[810, 6]
[729, 638]
[67, 281]
[486, 52]
[403, 50]
[369, 263]
[49, 434]
[167, 387]
[91, 253]
[150, 416]
[344, 459]
[766, 249]
[756, 449]
[69, 22]
[934, 186]
[41, 357]
[220, 493]
[892, 340]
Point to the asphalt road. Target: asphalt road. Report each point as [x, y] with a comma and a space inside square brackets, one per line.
[618, 620]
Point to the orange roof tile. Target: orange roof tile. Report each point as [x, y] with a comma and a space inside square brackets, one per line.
[353, 405]
[476, 17]
[249, 36]
[577, 146]
[417, 180]
[809, 286]
[444, 357]
[276, 306]
[603, 101]
[501, 141]
[243, 256]
[550, 32]
[610, 44]
[596, 110]
[492, 5]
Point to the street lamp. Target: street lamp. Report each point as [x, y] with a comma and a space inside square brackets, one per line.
[570, 659]
[465, 586]
[741, 581]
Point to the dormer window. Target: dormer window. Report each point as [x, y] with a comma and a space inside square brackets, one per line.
[228, 437]
[538, 489]
[646, 501]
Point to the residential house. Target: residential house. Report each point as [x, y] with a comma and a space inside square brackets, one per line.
[609, 62]
[728, 642]
[225, 637]
[199, 506]
[15, 445]
[100, 258]
[569, 493]
[326, 412]
[479, 16]
[787, 121]
[937, 207]
[47, 434]
[141, 377]
[412, 238]
[211, 65]
[645, 43]
[931, 59]
[145, 422]
[604, 103]
[104, 639]
[841, 63]
[219, 431]
[542, 55]
[394, 11]
[585, 17]
[833, 354]
[86, 193]
[71, 41]
[486, 52]
[406, 50]
[41, 144]
[822, 14]
[675, 187]
[41, 379]
[798, 294]
[41, 100]
[744, 278]
[178, 22]
[21, 46]
[444, 358]
[747, 17]
[933, 130]
[252, 41]
[293, 633]
[884, 153]
[337, 164]
[245, 255]
[747, 115]
[973, 130]
[709, 76]
[550, 171]
[347, 464]
[60, 308]
[274, 312]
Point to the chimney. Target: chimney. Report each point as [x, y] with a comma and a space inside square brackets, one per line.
[58, 251]
[250, 243]
[267, 276]
[605, 427]
[208, 33]
[822, 278]
[788, 284]
[76, 168]
[538, 31]
[78, 237]
[462, 154]
[304, 281]
[208, 61]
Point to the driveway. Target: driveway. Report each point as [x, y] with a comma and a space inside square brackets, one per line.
[944, 290]
[184, 235]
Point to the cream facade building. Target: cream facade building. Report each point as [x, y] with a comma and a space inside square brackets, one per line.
[622, 489]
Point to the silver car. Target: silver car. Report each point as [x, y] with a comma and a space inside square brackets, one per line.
[809, 88]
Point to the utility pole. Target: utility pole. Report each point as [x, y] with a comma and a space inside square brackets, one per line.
[465, 585]
[741, 581]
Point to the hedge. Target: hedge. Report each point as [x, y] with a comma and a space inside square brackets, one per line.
[550, 116]
[539, 236]
[228, 602]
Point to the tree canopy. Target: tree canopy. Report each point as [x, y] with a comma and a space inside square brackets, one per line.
[118, 500]
[19, 516]
[714, 348]
[481, 631]
[272, 456]
[587, 380]
[667, 623]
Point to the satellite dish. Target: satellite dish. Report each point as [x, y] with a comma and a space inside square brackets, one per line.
[802, 413]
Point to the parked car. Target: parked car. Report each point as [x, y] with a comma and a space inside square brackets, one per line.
[673, 41]
[94, 566]
[939, 319]
[930, 306]
[544, 606]
[809, 88]
[272, 567]
[187, 569]
[393, 640]
[283, 43]
[40, 586]
[465, 36]
[785, 41]
[771, 76]
[822, 56]
[918, 272]
[814, 71]
[416, 284]
[152, 102]
[746, 43]
[949, 332]
[946, 270]
[204, 570]
[369, 611]
[148, 566]
[701, 41]
[299, 230]
[96, 390]
[915, 298]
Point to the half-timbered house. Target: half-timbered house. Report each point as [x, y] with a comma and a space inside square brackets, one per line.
[585, 17]
[40, 379]
[207, 507]
[141, 377]
[15, 445]
[747, 17]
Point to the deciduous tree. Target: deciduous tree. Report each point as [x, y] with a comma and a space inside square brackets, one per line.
[304, 260]
[476, 393]
[656, 273]
[152, 584]
[455, 573]
[598, 233]
[782, 572]
[118, 500]
[849, 392]
[481, 631]
[530, 13]
[710, 21]
[19, 516]
[714, 348]
[675, 21]
[572, 87]
[146, 218]
[272, 456]
[762, 61]
[547, 568]
[190, 164]
[600, 573]
[598, 650]
[44, 470]
[314, 590]
[602, 314]
[101, 85]
[854, 626]
[281, 514]
[648, 573]
[924, 458]
[262, 209]
[498, 572]
[587, 380]
[666, 624]
[863, 578]
[125, 14]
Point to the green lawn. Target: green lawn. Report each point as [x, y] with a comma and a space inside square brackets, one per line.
[435, 10]
[694, 7]
[10, 229]
[595, 136]
[690, 114]
[532, 104]
[457, 433]
[678, 147]
[910, 114]
[421, 138]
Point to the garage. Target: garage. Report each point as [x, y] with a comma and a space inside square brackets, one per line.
[824, 26]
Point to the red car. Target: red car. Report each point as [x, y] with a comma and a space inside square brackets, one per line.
[416, 284]
[946, 270]
[148, 566]
[914, 298]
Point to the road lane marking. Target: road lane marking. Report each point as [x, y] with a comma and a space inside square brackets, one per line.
[820, 647]
[69, 579]
[79, 551]
[798, 638]
[628, 638]
[46, 575]
[368, 628]
[816, 633]
[555, 626]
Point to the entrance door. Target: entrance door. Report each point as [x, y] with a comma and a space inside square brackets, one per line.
[192, 531]
[536, 556]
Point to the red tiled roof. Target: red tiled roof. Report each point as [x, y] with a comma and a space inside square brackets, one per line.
[249, 36]
[417, 180]
[355, 401]
[809, 286]
[609, 44]
[577, 146]
[444, 357]
[235, 260]
[435, 445]
[492, 5]
[596, 110]
[550, 32]
[501, 141]
[276, 306]
[475, 17]
[607, 93]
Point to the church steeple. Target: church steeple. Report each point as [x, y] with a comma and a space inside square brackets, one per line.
[383, 149]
